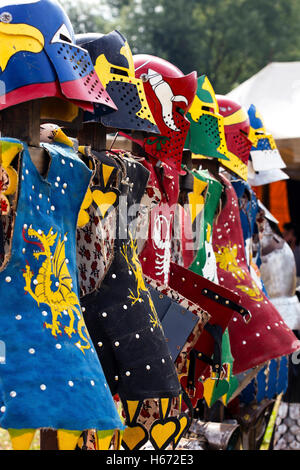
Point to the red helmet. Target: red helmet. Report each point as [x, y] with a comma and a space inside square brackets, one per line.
[170, 94]
[237, 130]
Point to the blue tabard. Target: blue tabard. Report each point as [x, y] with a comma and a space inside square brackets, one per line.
[51, 377]
[248, 211]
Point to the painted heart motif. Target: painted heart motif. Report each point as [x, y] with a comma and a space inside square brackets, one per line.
[21, 439]
[162, 433]
[67, 440]
[104, 200]
[104, 439]
[134, 437]
[83, 216]
[184, 422]
[214, 390]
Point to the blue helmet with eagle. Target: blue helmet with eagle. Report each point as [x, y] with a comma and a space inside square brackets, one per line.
[39, 58]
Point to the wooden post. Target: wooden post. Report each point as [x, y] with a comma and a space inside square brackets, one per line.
[138, 135]
[186, 182]
[212, 165]
[266, 195]
[48, 439]
[93, 134]
[215, 413]
[23, 122]
[187, 159]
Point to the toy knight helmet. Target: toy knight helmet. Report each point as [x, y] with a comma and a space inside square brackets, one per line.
[170, 94]
[237, 129]
[39, 57]
[113, 62]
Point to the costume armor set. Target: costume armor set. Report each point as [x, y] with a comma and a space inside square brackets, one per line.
[148, 297]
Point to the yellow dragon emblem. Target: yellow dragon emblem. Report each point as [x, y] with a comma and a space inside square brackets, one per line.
[135, 266]
[226, 257]
[53, 285]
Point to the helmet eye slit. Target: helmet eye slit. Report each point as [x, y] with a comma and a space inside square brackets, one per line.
[64, 38]
[62, 35]
[116, 70]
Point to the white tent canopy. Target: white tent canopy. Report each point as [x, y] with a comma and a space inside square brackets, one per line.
[275, 91]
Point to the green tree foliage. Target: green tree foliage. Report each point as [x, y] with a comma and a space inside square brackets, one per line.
[228, 40]
[88, 16]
